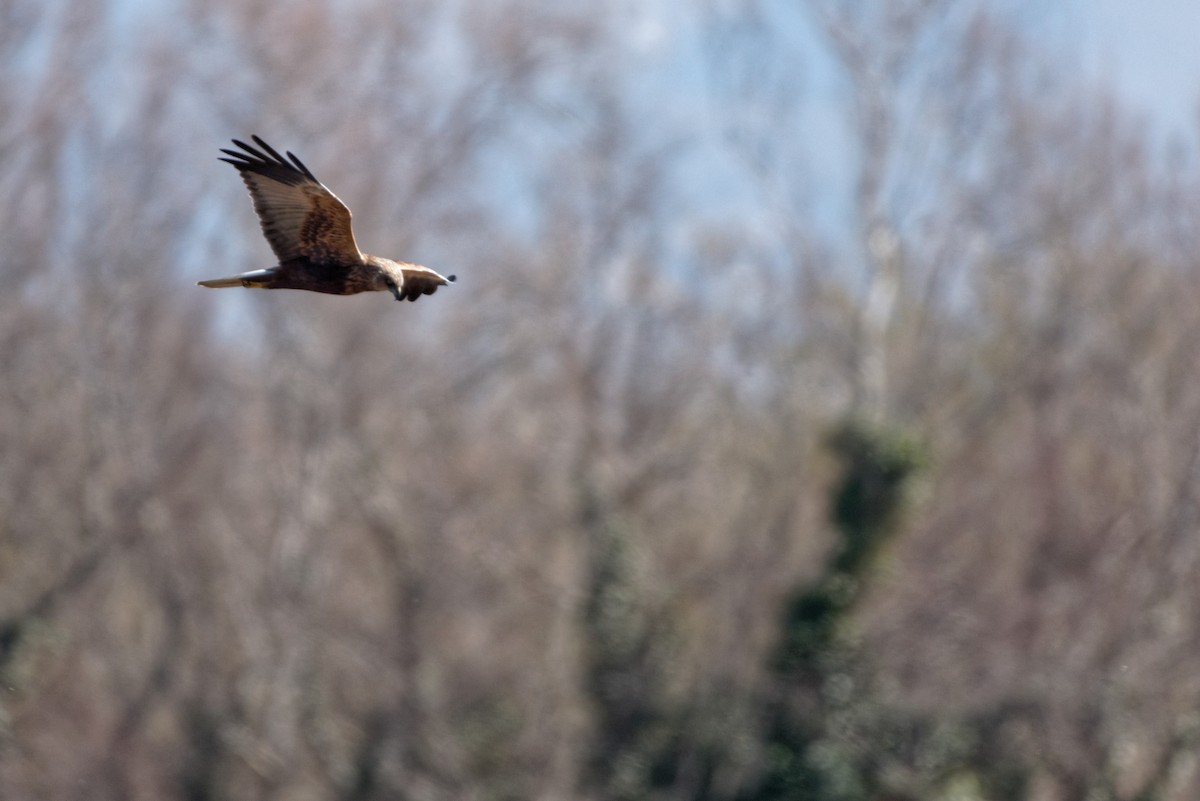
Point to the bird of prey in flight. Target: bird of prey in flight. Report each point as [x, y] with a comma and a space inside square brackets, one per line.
[308, 227]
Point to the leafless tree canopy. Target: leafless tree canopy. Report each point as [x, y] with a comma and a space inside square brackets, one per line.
[532, 541]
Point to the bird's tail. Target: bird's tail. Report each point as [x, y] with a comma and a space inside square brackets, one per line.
[258, 278]
[217, 283]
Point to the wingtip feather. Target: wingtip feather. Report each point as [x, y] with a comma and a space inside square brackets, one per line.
[254, 152]
[272, 152]
[300, 165]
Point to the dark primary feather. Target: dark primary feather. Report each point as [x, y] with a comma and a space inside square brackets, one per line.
[273, 166]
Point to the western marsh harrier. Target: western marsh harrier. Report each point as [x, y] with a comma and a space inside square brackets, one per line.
[309, 230]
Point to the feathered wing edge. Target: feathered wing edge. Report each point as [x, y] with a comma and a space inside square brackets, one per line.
[272, 165]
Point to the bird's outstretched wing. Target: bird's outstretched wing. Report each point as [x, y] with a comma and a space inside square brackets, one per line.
[300, 217]
[420, 281]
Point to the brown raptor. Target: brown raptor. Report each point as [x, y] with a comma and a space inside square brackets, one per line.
[308, 227]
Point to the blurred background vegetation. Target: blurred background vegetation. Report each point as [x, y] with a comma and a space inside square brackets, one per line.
[817, 415]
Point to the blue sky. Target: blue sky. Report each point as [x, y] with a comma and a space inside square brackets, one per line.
[1148, 51]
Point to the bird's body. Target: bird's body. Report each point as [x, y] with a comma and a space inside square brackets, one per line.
[309, 229]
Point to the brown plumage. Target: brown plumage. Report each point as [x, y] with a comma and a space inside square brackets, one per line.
[308, 227]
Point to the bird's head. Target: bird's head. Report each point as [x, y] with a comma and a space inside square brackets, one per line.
[390, 279]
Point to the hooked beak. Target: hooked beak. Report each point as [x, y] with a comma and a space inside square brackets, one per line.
[395, 290]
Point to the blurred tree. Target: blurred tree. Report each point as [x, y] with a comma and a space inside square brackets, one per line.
[829, 735]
